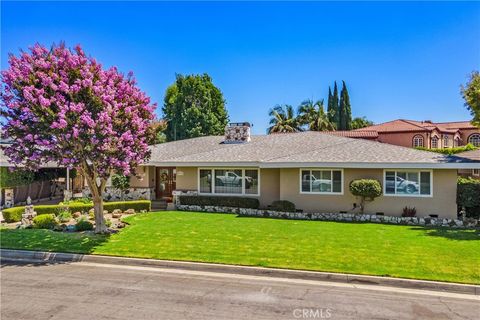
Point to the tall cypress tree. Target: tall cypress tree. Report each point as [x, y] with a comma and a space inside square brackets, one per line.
[348, 108]
[336, 107]
[345, 109]
[330, 108]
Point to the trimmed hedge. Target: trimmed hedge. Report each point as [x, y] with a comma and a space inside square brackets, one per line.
[468, 196]
[220, 201]
[15, 214]
[282, 205]
[45, 221]
[368, 188]
[450, 151]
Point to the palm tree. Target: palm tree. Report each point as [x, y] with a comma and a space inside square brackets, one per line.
[283, 120]
[314, 116]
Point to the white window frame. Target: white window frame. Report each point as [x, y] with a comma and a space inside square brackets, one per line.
[212, 171]
[471, 137]
[446, 142]
[418, 138]
[406, 195]
[476, 172]
[318, 192]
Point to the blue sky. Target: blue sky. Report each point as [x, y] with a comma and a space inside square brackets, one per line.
[400, 60]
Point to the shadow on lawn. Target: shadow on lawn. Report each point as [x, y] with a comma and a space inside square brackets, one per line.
[453, 234]
[51, 241]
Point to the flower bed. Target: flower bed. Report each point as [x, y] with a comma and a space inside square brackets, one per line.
[346, 217]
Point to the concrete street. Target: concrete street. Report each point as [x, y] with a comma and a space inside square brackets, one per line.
[98, 291]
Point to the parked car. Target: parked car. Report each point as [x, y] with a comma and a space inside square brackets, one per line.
[401, 184]
[231, 178]
[317, 184]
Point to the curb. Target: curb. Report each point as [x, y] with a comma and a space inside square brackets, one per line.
[60, 257]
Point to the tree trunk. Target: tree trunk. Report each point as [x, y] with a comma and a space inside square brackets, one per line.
[100, 226]
[362, 205]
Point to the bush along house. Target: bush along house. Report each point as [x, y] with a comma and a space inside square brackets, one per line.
[311, 170]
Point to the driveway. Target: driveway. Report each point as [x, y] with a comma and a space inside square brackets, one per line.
[99, 291]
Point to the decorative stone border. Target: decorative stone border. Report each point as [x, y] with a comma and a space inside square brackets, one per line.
[112, 194]
[345, 217]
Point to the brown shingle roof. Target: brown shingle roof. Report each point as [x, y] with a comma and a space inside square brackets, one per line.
[472, 155]
[294, 150]
[364, 134]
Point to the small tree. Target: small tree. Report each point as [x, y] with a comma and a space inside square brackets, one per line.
[62, 106]
[471, 95]
[121, 182]
[366, 189]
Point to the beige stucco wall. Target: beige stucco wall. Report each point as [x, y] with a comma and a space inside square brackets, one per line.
[284, 184]
[147, 180]
[269, 183]
[187, 178]
[442, 203]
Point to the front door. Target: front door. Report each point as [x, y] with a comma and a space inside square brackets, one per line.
[165, 182]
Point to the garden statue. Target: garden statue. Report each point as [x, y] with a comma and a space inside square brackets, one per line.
[29, 214]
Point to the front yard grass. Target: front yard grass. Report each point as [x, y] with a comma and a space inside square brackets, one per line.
[373, 249]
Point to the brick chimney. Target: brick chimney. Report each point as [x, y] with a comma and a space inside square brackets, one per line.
[237, 132]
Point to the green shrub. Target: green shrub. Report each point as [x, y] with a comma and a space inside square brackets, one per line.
[220, 201]
[63, 214]
[15, 214]
[450, 151]
[468, 196]
[83, 225]
[283, 205]
[108, 223]
[366, 189]
[45, 221]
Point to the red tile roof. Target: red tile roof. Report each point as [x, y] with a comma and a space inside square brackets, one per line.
[365, 134]
[402, 125]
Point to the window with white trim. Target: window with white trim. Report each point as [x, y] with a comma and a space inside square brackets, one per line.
[456, 142]
[228, 181]
[476, 172]
[408, 183]
[434, 142]
[474, 139]
[321, 181]
[418, 141]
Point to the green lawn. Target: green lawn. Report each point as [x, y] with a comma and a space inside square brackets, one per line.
[375, 249]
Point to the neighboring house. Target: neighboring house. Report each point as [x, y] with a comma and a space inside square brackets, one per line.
[311, 169]
[473, 155]
[428, 134]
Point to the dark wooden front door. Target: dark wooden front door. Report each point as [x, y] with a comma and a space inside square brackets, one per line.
[165, 182]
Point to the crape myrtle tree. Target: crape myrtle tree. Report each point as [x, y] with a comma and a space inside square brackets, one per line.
[62, 106]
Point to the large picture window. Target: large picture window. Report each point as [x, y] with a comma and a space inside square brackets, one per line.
[228, 181]
[408, 183]
[321, 181]
[474, 139]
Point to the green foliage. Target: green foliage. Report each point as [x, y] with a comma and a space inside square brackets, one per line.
[345, 121]
[77, 201]
[358, 123]
[108, 223]
[15, 214]
[450, 151]
[63, 214]
[368, 188]
[14, 178]
[314, 117]
[120, 181]
[471, 95]
[194, 107]
[220, 201]
[283, 120]
[283, 205]
[45, 221]
[468, 196]
[83, 225]
[333, 106]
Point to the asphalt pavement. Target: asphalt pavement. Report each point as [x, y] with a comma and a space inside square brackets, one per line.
[83, 290]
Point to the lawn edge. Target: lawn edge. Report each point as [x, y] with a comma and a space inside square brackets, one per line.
[61, 257]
